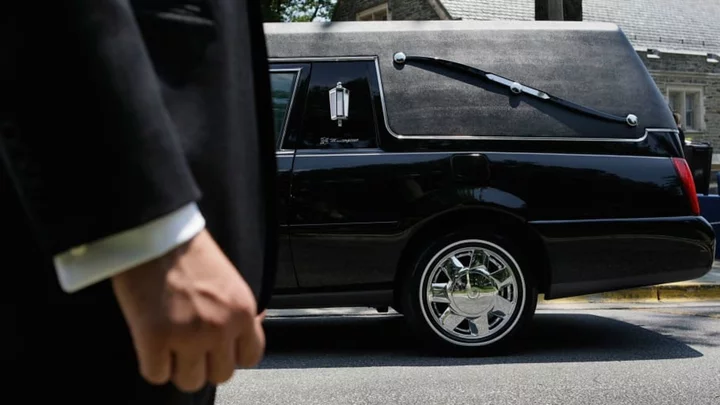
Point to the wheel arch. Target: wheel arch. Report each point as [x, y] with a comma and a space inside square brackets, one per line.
[513, 226]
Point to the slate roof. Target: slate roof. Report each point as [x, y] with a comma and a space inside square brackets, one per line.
[679, 25]
[523, 10]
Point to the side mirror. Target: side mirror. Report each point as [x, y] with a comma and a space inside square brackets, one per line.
[339, 103]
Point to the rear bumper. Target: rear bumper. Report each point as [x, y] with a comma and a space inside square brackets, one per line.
[593, 256]
[710, 210]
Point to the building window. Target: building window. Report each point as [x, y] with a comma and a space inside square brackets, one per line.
[688, 102]
[379, 13]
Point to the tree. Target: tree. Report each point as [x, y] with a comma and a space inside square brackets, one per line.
[297, 10]
[272, 10]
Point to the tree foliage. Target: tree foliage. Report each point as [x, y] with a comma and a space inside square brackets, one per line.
[297, 10]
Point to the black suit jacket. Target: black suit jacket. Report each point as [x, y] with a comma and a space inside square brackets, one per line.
[116, 112]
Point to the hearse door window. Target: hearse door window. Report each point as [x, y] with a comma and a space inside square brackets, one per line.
[282, 86]
[339, 110]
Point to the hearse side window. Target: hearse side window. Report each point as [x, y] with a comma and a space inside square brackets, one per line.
[319, 130]
[282, 84]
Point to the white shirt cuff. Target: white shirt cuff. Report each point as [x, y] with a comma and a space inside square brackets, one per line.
[88, 264]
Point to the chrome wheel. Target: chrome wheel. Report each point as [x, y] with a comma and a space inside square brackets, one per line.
[472, 293]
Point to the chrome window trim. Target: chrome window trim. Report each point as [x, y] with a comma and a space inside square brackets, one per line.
[383, 106]
[322, 59]
[297, 72]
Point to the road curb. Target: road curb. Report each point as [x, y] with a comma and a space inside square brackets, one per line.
[674, 292]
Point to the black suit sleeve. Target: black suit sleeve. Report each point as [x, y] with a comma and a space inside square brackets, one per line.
[85, 134]
[212, 63]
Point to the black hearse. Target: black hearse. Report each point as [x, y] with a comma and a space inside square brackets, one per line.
[453, 170]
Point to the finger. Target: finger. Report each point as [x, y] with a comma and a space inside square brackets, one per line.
[154, 364]
[189, 372]
[251, 346]
[221, 362]
[262, 315]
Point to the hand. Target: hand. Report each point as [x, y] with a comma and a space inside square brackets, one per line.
[191, 315]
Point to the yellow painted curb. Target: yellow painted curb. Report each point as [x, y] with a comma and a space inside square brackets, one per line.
[659, 293]
[693, 292]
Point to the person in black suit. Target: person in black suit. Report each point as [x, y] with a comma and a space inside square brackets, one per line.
[136, 198]
[681, 133]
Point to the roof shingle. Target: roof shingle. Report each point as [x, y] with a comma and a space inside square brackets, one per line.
[523, 10]
[687, 25]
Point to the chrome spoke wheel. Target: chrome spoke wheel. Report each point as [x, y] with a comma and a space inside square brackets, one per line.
[472, 292]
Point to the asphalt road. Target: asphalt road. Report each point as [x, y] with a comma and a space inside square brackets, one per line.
[658, 355]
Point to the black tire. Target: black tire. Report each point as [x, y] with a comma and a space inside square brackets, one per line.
[423, 314]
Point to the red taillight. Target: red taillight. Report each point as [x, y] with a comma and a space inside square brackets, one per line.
[688, 183]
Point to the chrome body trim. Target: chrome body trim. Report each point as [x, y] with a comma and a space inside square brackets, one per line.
[312, 153]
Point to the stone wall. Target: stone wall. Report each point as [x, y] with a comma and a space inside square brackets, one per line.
[682, 70]
[412, 10]
[400, 9]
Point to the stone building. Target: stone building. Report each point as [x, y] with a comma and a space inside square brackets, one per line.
[679, 41]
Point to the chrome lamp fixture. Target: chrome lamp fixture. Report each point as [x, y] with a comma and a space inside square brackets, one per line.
[339, 103]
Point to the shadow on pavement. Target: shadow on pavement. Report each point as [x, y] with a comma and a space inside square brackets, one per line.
[386, 341]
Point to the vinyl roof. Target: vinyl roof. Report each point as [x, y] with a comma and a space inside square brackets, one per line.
[591, 64]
